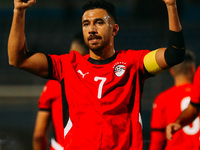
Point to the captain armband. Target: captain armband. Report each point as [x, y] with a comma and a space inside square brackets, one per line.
[151, 64]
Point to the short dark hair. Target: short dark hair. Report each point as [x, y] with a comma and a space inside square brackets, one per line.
[79, 39]
[185, 66]
[109, 7]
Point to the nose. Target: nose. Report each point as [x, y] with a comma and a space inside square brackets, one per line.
[92, 29]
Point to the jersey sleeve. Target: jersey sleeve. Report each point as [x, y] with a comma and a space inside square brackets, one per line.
[195, 97]
[49, 93]
[55, 67]
[144, 53]
[157, 140]
[137, 57]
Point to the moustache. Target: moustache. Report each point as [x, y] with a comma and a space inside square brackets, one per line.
[91, 37]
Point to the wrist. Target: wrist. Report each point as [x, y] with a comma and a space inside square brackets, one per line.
[19, 10]
[171, 6]
[178, 123]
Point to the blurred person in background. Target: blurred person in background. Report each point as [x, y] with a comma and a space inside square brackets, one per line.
[52, 108]
[169, 105]
[103, 89]
[190, 113]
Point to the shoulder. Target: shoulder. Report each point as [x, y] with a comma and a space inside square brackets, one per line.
[132, 55]
[131, 51]
[73, 56]
[163, 95]
[197, 75]
[198, 70]
[52, 83]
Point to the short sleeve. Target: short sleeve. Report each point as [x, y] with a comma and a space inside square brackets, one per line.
[137, 59]
[56, 66]
[49, 93]
[158, 113]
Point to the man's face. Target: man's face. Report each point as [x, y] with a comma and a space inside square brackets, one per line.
[97, 29]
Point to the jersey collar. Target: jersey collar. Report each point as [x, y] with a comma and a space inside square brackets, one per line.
[101, 62]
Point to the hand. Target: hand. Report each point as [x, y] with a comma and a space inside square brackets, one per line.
[23, 4]
[170, 2]
[171, 129]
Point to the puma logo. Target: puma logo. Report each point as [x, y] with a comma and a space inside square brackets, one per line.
[81, 73]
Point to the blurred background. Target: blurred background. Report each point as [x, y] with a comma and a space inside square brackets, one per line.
[50, 26]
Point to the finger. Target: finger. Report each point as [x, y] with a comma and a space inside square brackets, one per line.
[169, 131]
[28, 3]
[177, 127]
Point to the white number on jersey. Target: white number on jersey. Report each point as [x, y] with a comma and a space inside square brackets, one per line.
[190, 130]
[103, 80]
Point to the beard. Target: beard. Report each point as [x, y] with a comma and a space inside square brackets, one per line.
[98, 47]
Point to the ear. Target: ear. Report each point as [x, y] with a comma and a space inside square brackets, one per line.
[171, 71]
[115, 29]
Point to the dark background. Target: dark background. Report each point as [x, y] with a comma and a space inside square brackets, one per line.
[50, 26]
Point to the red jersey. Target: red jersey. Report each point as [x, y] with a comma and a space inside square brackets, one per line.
[196, 88]
[103, 98]
[166, 108]
[51, 100]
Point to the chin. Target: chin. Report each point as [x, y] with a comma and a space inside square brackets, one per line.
[96, 48]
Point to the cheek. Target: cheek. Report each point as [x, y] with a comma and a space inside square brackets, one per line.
[107, 33]
[85, 37]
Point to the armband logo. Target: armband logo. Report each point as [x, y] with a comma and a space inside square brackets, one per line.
[119, 69]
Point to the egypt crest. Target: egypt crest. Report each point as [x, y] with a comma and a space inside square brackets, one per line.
[119, 69]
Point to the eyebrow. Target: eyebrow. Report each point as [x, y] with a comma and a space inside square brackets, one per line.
[96, 19]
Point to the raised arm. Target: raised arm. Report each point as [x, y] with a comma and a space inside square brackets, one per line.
[17, 49]
[163, 58]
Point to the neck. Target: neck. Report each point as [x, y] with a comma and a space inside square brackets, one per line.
[102, 55]
[181, 80]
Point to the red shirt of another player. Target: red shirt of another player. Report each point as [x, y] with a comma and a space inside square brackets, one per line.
[166, 108]
[196, 88]
[51, 100]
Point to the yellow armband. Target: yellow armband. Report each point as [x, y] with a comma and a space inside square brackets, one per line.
[151, 64]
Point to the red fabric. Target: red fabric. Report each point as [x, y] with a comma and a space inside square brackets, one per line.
[104, 100]
[51, 99]
[166, 108]
[196, 88]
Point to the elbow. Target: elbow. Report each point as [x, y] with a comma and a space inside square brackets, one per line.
[16, 60]
[14, 63]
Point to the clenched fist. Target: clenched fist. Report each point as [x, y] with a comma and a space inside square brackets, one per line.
[170, 2]
[23, 4]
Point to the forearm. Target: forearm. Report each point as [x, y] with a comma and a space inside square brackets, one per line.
[40, 131]
[187, 116]
[16, 41]
[174, 22]
[175, 52]
[40, 143]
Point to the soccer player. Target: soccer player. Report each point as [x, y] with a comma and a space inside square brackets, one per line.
[168, 106]
[190, 113]
[51, 108]
[104, 88]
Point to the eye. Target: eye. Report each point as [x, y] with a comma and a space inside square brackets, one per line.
[100, 22]
[85, 24]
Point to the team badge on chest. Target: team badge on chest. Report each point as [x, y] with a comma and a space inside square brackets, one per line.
[119, 68]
